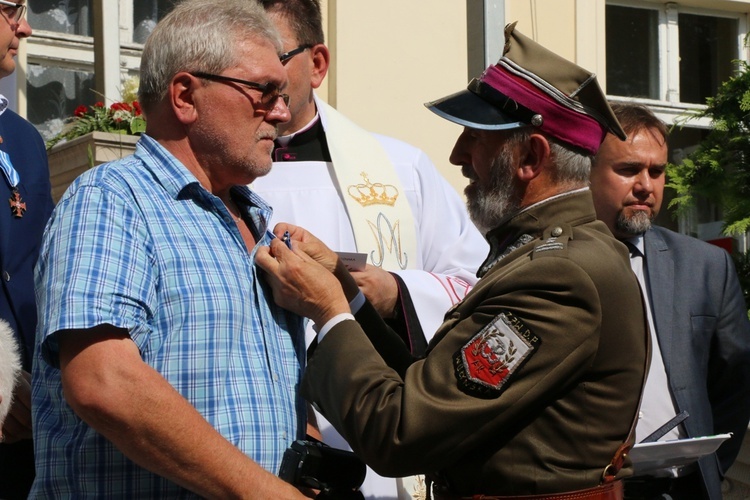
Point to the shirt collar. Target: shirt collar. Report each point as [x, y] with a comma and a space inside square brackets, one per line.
[284, 140]
[637, 242]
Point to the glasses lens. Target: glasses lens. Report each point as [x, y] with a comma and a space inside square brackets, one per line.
[271, 94]
[13, 13]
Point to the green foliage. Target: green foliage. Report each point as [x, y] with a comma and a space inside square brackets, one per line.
[742, 262]
[719, 169]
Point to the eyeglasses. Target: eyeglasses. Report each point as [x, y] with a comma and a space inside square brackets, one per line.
[286, 56]
[12, 11]
[269, 92]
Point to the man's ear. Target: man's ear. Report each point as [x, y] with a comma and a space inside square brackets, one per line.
[181, 94]
[535, 155]
[321, 58]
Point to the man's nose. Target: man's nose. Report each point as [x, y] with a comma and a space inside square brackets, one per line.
[459, 155]
[644, 183]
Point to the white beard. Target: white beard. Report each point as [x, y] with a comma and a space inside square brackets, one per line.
[10, 367]
[489, 204]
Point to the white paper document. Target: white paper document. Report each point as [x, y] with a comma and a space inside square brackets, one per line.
[353, 261]
[651, 457]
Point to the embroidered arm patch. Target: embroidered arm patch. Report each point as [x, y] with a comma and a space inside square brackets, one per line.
[484, 365]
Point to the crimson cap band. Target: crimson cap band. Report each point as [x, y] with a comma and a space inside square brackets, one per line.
[530, 85]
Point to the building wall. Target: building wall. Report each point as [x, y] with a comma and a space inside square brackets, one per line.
[388, 61]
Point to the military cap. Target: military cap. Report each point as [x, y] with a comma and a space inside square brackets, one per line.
[532, 86]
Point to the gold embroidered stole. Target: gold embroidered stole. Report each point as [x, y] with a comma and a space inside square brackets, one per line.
[380, 214]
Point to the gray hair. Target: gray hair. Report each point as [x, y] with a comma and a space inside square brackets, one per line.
[199, 35]
[572, 167]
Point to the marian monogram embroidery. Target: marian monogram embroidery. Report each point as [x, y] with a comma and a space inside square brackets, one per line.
[387, 241]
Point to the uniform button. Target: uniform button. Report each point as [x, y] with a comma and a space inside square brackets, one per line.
[557, 232]
[283, 434]
[6, 275]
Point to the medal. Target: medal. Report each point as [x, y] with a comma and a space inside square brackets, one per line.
[17, 205]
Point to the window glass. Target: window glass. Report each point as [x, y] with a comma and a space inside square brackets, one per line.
[708, 46]
[146, 13]
[72, 17]
[632, 52]
[54, 93]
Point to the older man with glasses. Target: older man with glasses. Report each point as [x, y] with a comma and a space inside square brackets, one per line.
[163, 366]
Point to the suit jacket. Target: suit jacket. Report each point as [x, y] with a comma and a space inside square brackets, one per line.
[20, 239]
[530, 384]
[704, 334]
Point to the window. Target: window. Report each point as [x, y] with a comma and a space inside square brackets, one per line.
[55, 93]
[72, 17]
[668, 53]
[60, 54]
[145, 16]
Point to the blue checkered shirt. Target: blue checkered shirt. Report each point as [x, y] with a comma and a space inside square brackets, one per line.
[141, 245]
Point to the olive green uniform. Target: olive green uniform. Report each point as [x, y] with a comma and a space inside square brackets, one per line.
[529, 386]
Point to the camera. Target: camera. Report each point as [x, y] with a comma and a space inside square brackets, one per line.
[311, 464]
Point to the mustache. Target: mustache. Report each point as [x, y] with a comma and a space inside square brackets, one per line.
[468, 172]
[267, 134]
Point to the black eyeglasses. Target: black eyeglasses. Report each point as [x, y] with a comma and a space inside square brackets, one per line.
[269, 91]
[284, 58]
[12, 11]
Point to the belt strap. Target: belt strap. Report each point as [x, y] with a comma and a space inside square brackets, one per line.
[610, 491]
[611, 470]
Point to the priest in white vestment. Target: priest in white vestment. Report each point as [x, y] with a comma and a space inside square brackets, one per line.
[371, 194]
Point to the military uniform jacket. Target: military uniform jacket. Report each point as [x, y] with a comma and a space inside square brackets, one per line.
[530, 384]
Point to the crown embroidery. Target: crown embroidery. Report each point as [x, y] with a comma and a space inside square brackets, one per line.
[369, 193]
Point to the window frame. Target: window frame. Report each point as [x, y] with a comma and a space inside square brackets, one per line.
[669, 107]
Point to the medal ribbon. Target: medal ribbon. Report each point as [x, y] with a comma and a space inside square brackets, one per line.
[10, 173]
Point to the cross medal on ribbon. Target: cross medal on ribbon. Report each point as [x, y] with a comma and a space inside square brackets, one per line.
[17, 205]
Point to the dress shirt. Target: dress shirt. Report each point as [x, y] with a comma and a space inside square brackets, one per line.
[658, 406]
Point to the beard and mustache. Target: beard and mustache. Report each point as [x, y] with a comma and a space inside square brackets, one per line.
[489, 203]
[634, 224]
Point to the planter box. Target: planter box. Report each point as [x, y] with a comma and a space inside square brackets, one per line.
[70, 159]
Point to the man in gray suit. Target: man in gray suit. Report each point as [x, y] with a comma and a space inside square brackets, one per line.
[700, 331]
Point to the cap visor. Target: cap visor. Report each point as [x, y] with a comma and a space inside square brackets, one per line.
[470, 110]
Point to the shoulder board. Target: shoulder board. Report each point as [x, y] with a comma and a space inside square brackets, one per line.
[554, 241]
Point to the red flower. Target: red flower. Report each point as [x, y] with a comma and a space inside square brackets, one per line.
[99, 104]
[80, 111]
[137, 108]
[120, 106]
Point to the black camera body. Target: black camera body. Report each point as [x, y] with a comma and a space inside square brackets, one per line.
[312, 464]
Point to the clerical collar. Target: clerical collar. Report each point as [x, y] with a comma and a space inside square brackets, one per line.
[307, 144]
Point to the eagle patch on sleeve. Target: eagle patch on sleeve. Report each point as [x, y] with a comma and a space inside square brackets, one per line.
[484, 365]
